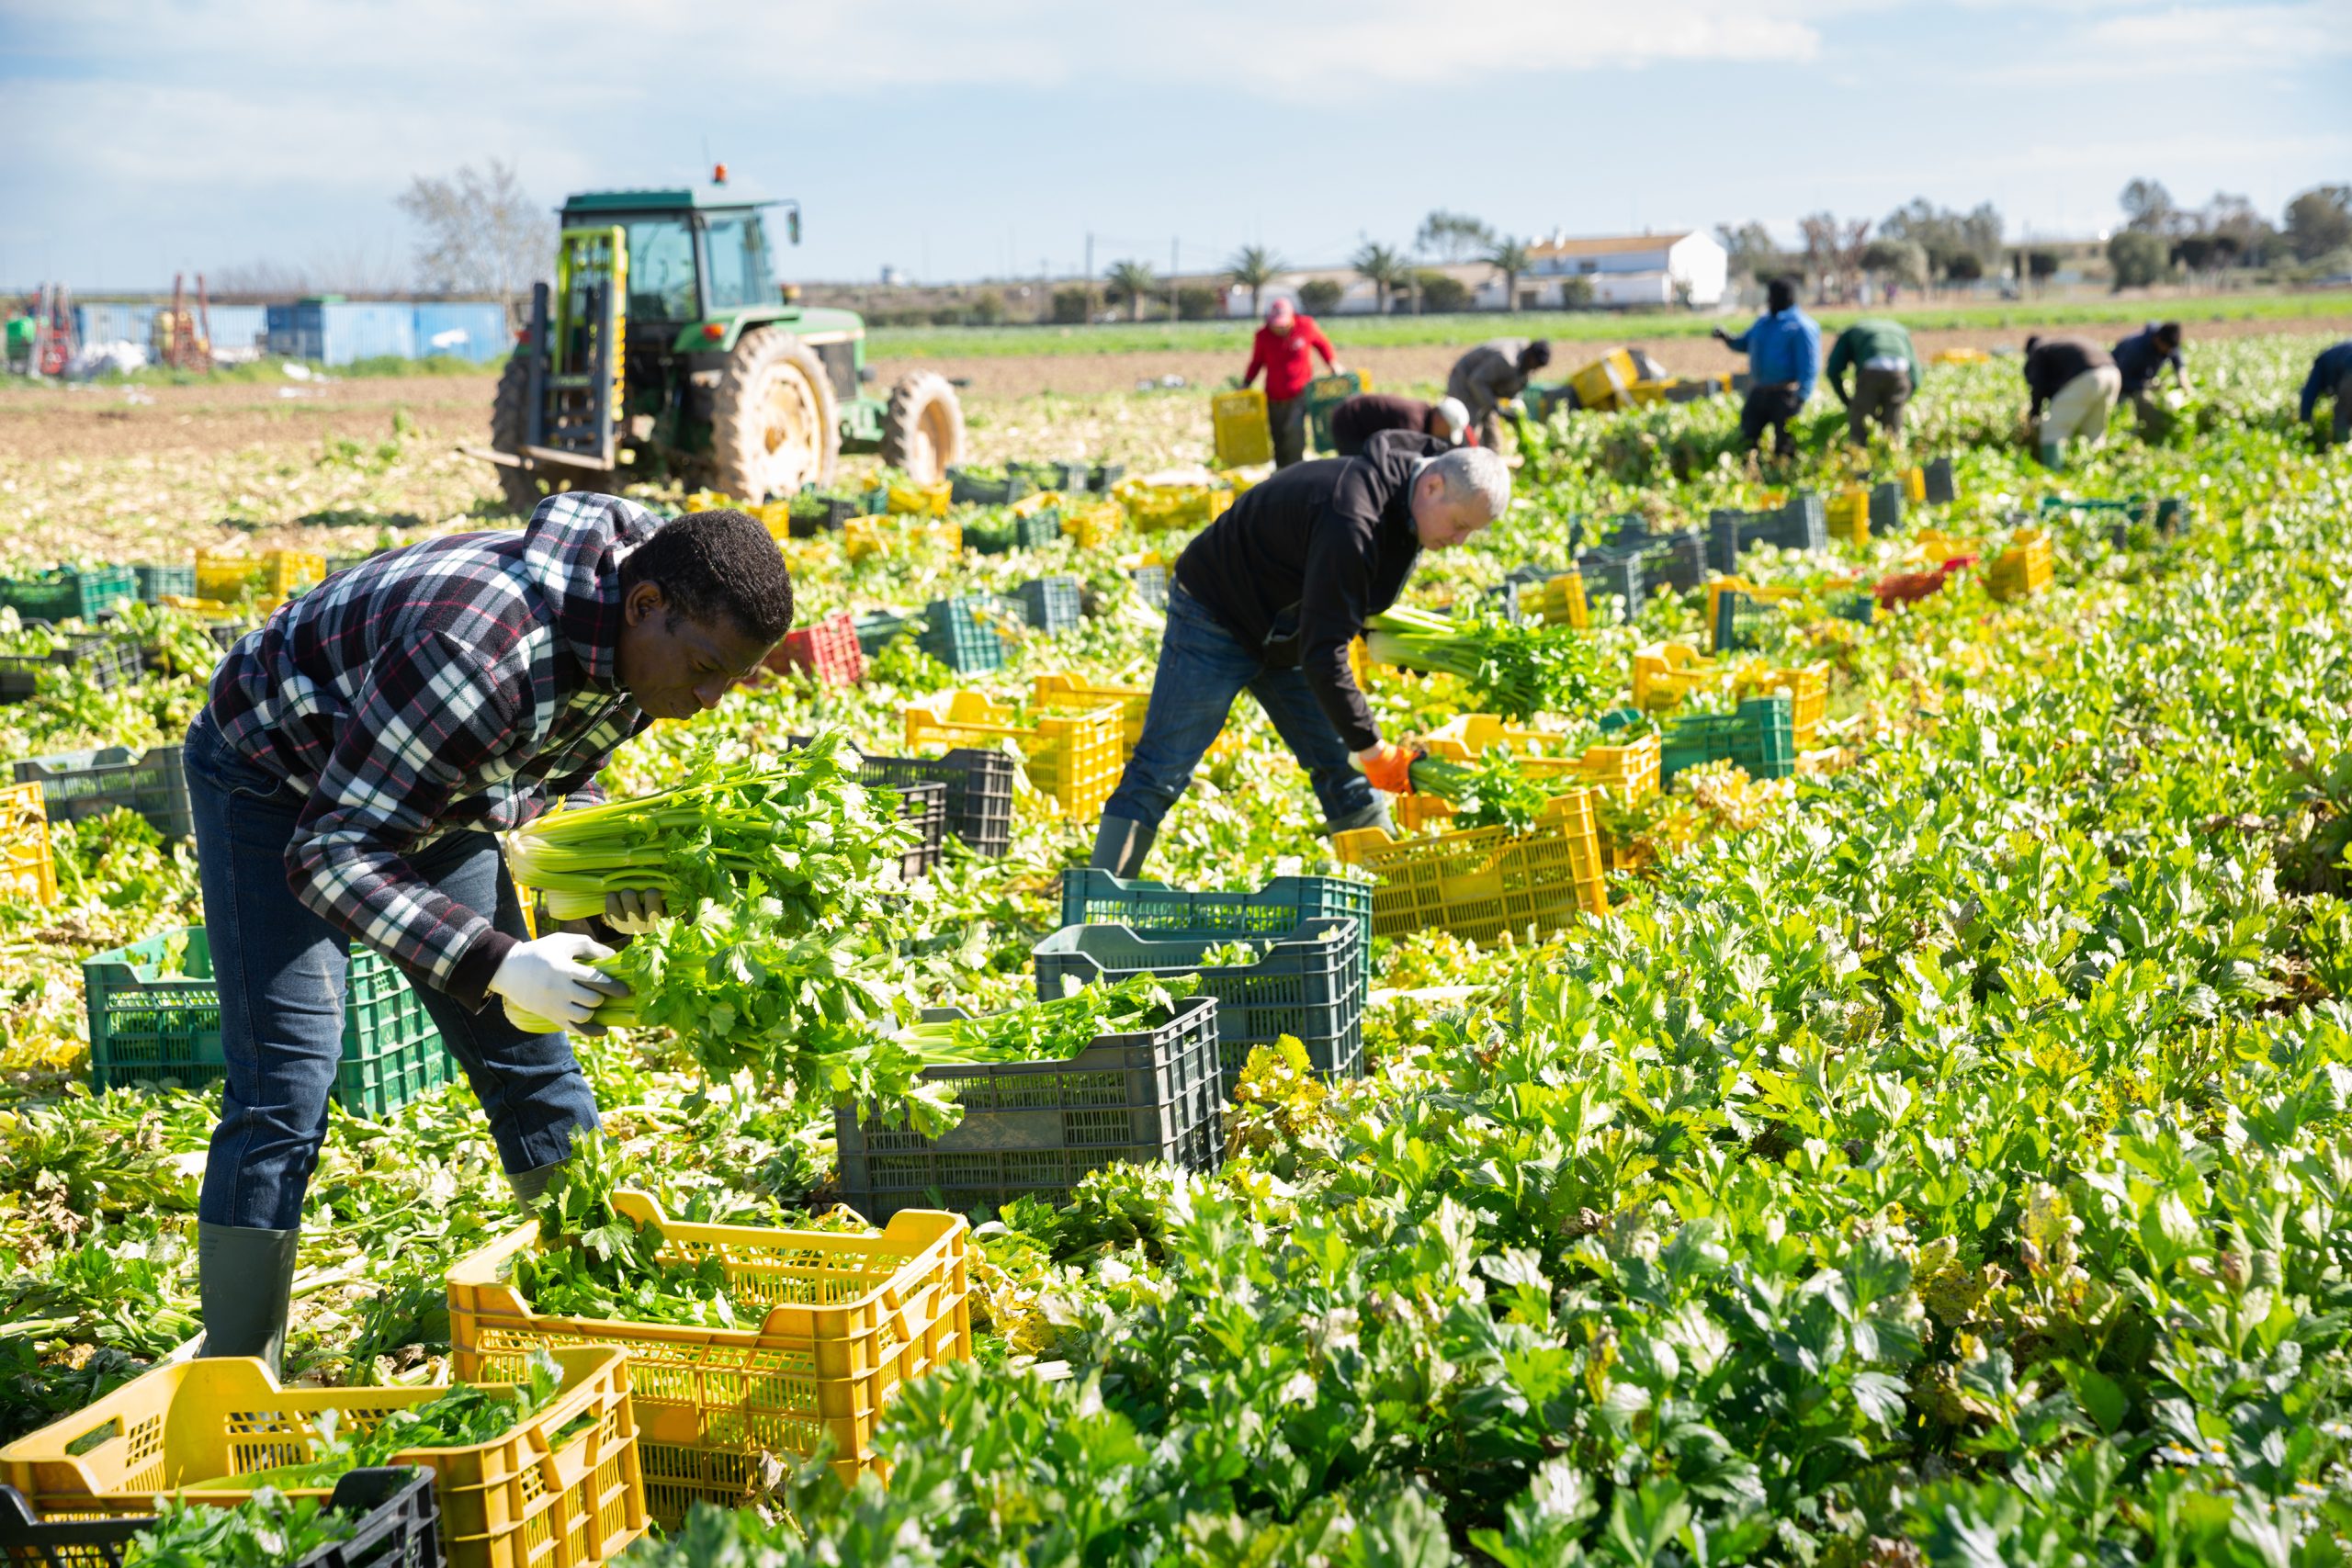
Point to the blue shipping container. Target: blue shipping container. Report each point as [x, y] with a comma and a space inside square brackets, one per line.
[115, 324]
[469, 328]
[236, 326]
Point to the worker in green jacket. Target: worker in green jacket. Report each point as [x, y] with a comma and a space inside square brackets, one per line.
[1886, 372]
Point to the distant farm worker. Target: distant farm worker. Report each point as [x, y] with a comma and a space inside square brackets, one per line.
[1493, 374]
[1783, 351]
[1283, 349]
[1886, 372]
[2141, 358]
[1366, 414]
[1267, 599]
[347, 777]
[2331, 375]
[2079, 383]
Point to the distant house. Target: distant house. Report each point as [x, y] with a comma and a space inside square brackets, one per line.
[1678, 267]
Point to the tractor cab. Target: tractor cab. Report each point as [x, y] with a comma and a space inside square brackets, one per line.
[665, 349]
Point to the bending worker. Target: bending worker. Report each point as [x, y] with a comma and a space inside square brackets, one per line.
[1267, 599]
[2077, 381]
[1284, 349]
[2140, 360]
[1886, 372]
[1366, 415]
[1783, 351]
[1493, 374]
[346, 776]
[2331, 373]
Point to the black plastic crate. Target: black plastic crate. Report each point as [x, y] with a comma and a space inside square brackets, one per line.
[397, 1512]
[157, 582]
[1727, 535]
[1151, 585]
[1092, 897]
[106, 660]
[811, 512]
[1107, 475]
[1069, 478]
[1886, 507]
[978, 786]
[1607, 573]
[966, 488]
[1801, 524]
[1941, 490]
[877, 629]
[923, 808]
[1050, 604]
[79, 785]
[1038, 529]
[1309, 985]
[1035, 1129]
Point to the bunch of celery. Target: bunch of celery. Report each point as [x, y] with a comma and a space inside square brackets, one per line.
[1046, 1031]
[796, 829]
[1519, 670]
[1493, 792]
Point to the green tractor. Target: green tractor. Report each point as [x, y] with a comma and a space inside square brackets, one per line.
[665, 352]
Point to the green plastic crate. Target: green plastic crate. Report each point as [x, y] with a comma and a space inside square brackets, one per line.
[79, 785]
[156, 582]
[65, 595]
[1760, 740]
[1092, 897]
[146, 1024]
[1309, 985]
[971, 633]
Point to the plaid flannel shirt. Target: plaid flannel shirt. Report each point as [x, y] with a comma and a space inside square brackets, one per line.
[460, 682]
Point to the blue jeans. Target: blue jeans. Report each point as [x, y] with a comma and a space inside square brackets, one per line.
[1202, 667]
[282, 971]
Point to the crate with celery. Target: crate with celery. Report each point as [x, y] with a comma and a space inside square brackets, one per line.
[1518, 670]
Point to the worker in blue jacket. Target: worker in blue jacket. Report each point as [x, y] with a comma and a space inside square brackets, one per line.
[1783, 351]
[2331, 373]
[2144, 358]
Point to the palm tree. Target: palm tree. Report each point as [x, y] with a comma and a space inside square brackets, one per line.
[1135, 279]
[1253, 267]
[1380, 267]
[1510, 258]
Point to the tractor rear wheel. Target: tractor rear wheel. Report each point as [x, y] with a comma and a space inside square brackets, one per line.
[510, 425]
[922, 432]
[774, 426]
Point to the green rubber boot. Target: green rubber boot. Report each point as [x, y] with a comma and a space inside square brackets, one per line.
[1372, 816]
[531, 1185]
[245, 1279]
[1120, 845]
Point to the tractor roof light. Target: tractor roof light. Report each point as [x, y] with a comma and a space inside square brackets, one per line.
[718, 175]
[713, 329]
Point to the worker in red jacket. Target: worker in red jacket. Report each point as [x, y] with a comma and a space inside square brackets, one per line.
[1283, 350]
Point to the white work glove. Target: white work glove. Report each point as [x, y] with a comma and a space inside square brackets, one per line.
[633, 912]
[551, 980]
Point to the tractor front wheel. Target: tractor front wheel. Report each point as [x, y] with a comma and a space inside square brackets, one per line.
[509, 425]
[774, 426]
[922, 432]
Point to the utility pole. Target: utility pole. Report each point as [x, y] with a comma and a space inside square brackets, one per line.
[1171, 279]
[1089, 278]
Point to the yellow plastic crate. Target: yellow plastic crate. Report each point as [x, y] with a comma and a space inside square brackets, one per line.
[1915, 485]
[707, 500]
[1607, 382]
[1237, 421]
[1935, 546]
[1848, 514]
[2026, 567]
[919, 500]
[1561, 602]
[1769, 594]
[847, 1319]
[1666, 672]
[28, 864]
[1092, 524]
[1154, 508]
[1959, 357]
[864, 536]
[1071, 757]
[530, 1499]
[1133, 703]
[1808, 689]
[273, 575]
[1484, 882]
[1629, 772]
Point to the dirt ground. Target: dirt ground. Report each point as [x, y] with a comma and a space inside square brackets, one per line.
[48, 423]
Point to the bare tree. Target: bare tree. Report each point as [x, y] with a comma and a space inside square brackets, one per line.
[479, 232]
[1833, 252]
[1453, 237]
[261, 277]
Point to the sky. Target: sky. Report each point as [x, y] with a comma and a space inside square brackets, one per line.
[966, 139]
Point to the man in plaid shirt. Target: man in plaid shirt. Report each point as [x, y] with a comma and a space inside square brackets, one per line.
[356, 757]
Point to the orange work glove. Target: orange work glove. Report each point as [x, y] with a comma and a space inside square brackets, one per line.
[1389, 768]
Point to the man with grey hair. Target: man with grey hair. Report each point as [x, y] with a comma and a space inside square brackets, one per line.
[1267, 599]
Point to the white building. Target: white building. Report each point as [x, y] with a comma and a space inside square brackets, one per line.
[1681, 267]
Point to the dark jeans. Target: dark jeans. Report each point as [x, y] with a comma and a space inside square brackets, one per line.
[2344, 412]
[282, 971]
[1881, 395]
[1770, 408]
[1202, 667]
[1287, 422]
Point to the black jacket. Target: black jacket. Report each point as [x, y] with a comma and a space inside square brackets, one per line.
[1317, 548]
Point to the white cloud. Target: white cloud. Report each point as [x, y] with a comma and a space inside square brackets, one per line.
[2147, 42]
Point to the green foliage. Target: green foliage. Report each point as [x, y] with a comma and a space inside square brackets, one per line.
[271, 1530]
